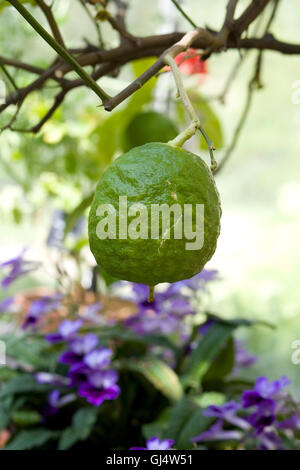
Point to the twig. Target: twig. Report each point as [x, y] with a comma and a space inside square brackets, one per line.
[195, 121]
[13, 119]
[228, 22]
[35, 129]
[21, 65]
[51, 21]
[184, 14]
[8, 75]
[239, 127]
[180, 46]
[249, 15]
[255, 83]
[123, 33]
[60, 50]
[95, 23]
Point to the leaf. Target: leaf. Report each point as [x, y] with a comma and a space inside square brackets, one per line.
[158, 373]
[22, 384]
[222, 364]
[128, 335]
[207, 349]
[26, 417]
[82, 425]
[145, 93]
[4, 417]
[30, 439]
[186, 421]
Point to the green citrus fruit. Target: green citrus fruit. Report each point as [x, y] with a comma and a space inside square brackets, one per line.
[148, 127]
[152, 175]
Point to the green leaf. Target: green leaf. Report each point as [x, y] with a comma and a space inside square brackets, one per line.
[22, 384]
[222, 364]
[144, 94]
[26, 417]
[120, 333]
[186, 421]
[30, 439]
[206, 351]
[158, 373]
[82, 425]
[4, 417]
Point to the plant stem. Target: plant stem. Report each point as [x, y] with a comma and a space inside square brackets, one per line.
[62, 52]
[151, 294]
[195, 121]
[184, 13]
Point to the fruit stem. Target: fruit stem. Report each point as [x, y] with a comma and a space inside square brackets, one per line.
[195, 124]
[151, 294]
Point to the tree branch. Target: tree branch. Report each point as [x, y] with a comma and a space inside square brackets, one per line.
[62, 52]
[184, 43]
[249, 15]
[184, 14]
[51, 20]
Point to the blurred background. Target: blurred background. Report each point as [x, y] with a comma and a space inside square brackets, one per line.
[258, 256]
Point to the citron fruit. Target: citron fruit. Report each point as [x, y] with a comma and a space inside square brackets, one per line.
[148, 177]
[148, 127]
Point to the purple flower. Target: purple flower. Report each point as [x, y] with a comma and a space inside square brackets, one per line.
[17, 268]
[263, 397]
[100, 386]
[51, 379]
[264, 415]
[98, 358]
[55, 401]
[195, 282]
[5, 304]
[179, 306]
[92, 310]
[78, 347]
[155, 444]
[203, 329]
[77, 373]
[227, 412]
[270, 441]
[293, 422]
[40, 307]
[66, 331]
[217, 433]
[263, 389]
[243, 359]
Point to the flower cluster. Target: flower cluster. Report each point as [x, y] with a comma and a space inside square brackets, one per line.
[16, 267]
[88, 364]
[171, 306]
[266, 412]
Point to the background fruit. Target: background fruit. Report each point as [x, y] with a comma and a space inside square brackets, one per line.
[148, 127]
[155, 174]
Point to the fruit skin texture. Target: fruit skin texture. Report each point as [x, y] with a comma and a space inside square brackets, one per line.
[148, 127]
[156, 173]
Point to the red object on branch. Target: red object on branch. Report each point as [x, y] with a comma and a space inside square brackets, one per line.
[190, 63]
